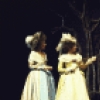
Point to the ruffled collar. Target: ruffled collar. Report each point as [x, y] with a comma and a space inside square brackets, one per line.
[70, 57]
[35, 56]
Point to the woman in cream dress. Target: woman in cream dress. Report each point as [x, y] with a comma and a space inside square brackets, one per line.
[72, 85]
[39, 84]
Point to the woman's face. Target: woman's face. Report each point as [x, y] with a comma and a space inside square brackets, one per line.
[43, 45]
[74, 48]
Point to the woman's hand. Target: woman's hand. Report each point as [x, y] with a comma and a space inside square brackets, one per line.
[90, 61]
[93, 58]
[48, 67]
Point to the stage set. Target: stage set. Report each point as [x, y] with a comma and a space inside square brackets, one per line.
[80, 18]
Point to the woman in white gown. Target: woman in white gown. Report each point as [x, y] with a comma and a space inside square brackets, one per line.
[72, 85]
[39, 84]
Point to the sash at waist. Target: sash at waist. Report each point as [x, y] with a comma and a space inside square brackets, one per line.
[69, 72]
[40, 69]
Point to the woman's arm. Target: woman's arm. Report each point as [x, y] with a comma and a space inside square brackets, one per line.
[36, 65]
[46, 67]
[88, 62]
[32, 65]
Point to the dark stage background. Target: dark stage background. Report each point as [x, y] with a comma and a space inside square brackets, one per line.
[20, 18]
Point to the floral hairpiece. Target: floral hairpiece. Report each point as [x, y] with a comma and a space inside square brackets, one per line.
[68, 37]
[31, 38]
[28, 39]
[65, 37]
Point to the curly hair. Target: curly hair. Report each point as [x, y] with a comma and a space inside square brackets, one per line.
[37, 41]
[67, 46]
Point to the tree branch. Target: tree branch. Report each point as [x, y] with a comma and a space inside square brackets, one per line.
[93, 28]
[84, 7]
[85, 24]
[61, 28]
[78, 13]
[56, 13]
[95, 20]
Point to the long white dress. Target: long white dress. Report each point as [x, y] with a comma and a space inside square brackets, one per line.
[39, 84]
[71, 86]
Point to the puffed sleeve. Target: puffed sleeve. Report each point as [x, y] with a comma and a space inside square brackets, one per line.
[32, 57]
[33, 60]
[65, 58]
[79, 58]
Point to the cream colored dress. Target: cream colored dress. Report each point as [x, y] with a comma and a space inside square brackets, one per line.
[39, 84]
[71, 86]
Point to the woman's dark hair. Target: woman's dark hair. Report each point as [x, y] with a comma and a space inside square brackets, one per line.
[40, 40]
[67, 45]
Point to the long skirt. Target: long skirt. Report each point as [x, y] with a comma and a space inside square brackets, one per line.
[72, 87]
[39, 85]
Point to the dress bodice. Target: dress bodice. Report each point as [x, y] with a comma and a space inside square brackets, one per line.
[36, 57]
[70, 60]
